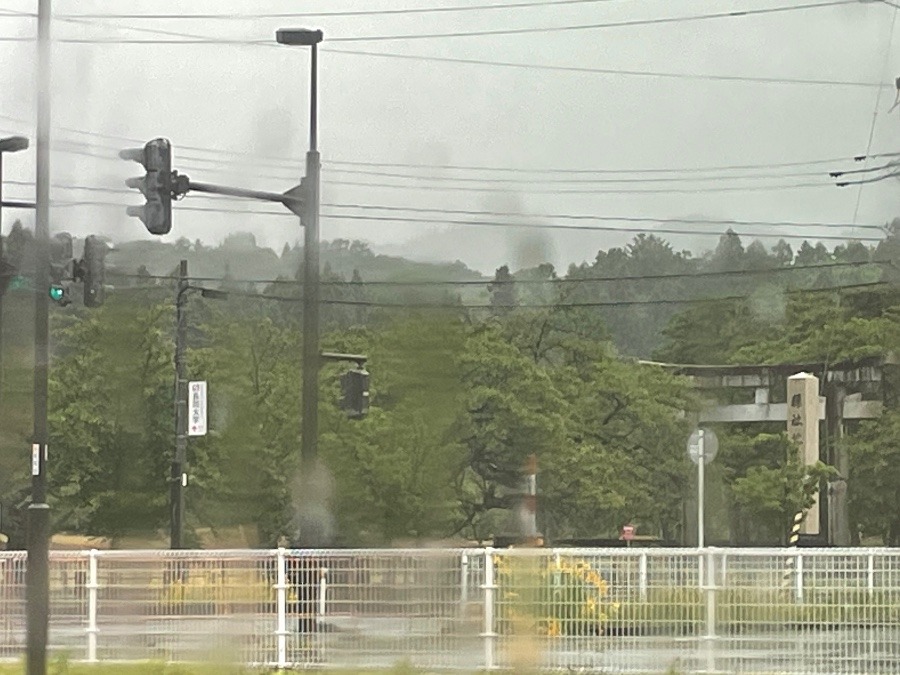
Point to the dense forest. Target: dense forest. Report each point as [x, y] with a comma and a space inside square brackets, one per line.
[469, 376]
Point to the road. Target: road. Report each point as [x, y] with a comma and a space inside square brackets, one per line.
[382, 642]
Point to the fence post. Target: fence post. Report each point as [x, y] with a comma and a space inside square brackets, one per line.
[92, 586]
[709, 586]
[281, 608]
[642, 575]
[463, 583]
[798, 582]
[870, 574]
[489, 588]
[323, 588]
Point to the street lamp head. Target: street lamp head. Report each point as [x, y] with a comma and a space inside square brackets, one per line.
[13, 144]
[303, 37]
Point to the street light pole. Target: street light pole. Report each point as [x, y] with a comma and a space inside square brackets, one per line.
[37, 574]
[310, 531]
[310, 424]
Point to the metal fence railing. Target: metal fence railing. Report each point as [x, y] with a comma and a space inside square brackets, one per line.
[807, 611]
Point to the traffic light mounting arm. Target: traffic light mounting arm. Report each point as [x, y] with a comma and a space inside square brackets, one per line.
[292, 199]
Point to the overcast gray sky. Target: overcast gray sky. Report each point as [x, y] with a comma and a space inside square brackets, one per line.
[251, 99]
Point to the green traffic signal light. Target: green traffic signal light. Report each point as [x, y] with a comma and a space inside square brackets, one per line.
[58, 295]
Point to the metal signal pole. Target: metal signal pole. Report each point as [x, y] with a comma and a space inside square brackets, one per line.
[176, 503]
[37, 577]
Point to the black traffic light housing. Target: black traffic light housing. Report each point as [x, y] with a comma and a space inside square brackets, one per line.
[61, 268]
[355, 393]
[156, 185]
[93, 271]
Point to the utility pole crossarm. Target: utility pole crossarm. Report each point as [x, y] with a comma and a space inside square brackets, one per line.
[17, 205]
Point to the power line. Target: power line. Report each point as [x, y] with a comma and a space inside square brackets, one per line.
[296, 15]
[288, 163]
[869, 169]
[864, 181]
[458, 34]
[578, 180]
[556, 281]
[463, 212]
[588, 191]
[505, 214]
[563, 305]
[566, 170]
[580, 27]
[551, 192]
[601, 228]
[629, 219]
[611, 71]
[887, 57]
[514, 225]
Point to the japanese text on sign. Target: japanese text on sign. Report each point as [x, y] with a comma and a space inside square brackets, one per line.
[197, 408]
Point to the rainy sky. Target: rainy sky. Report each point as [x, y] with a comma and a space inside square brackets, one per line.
[545, 110]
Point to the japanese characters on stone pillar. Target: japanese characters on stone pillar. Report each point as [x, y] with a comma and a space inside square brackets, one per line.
[803, 429]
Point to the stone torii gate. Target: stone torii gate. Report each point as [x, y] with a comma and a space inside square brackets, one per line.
[795, 394]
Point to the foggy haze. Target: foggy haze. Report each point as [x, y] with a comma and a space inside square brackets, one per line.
[237, 114]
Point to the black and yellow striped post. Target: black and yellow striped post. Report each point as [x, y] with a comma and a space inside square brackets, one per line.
[790, 568]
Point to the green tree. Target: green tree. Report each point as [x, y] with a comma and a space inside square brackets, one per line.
[874, 452]
[767, 485]
[111, 420]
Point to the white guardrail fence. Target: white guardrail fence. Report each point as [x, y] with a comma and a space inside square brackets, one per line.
[601, 610]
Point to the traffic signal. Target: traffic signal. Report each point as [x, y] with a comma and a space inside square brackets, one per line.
[60, 268]
[93, 270]
[156, 185]
[59, 293]
[355, 390]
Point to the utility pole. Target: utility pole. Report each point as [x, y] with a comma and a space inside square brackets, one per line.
[37, 577]
[178, 475]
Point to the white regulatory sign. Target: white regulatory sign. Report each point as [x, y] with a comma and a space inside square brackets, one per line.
[197, 408]
[710, 446]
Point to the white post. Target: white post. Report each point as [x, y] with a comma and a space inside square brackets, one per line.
[463, 583]
[710, 633]
[281, 608]
[798, 570]
[323, 588]
[92, 586]
[870, 574]
[723, 570]
[642, 576]
[489, 587]
[701, 480]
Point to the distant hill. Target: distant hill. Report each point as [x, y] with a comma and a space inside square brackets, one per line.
[239, 258]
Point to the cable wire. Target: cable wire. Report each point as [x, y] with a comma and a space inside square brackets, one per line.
[557, 281]
[887, 57]
[460, 34]
[286, 163]
[367, 13]
[612, 71]
[563, 305]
